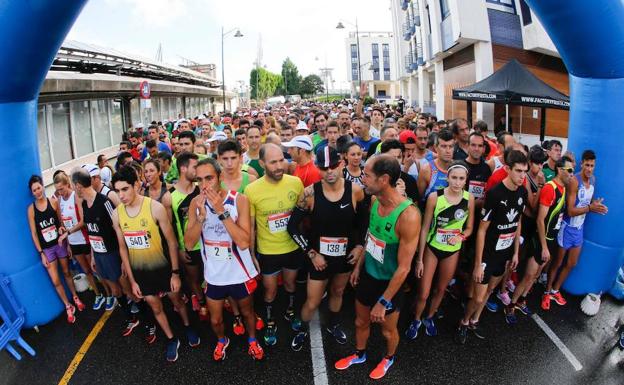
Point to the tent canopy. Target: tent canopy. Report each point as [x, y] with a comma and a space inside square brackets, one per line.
[513, 84]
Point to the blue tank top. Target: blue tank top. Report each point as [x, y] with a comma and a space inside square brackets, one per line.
[438, 180]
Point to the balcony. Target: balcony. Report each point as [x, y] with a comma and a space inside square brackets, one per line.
[446, 27]
[416, 20]
[407, 34]
[408, 63]
[404, 4]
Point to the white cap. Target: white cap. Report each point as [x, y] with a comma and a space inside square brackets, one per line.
[218, 136]
[302, 126]
[139, 125]
[92, 169]
[301, 141]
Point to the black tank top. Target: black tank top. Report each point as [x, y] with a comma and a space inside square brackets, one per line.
[47, 225]
[332, 220]
[163, 191]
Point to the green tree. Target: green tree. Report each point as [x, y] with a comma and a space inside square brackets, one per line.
[263, 83]
[291, 78]
[311, 85]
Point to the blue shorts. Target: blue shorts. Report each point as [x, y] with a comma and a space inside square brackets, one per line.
[108, 265]
[237, 291]
[569, 237]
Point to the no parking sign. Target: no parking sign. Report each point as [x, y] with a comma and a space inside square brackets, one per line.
[145, 92]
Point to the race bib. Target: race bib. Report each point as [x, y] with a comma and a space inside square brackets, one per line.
[375, 247]
[68, 222]
[505, 240]
[333, 247]
[137, 240]
[49, 233]
[477, 189]
[442, 235]
[559, 219]
[278, 222]
[97, 244]
[219, 250]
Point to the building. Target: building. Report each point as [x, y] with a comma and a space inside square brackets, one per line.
[378, 64]
[91, 96]
[445, 44]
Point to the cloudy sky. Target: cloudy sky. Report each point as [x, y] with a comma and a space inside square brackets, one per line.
[301, 30]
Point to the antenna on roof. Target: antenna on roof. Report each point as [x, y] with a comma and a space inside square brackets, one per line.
[159, 53]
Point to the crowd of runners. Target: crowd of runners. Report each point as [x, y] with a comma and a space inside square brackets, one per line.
[400, 206]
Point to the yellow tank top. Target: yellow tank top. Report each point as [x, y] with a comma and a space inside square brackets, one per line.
[142, 236]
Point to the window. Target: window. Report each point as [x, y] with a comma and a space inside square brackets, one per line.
[386, 49]
[45, 161]
[135, 112]
[101, 127]
[445, 11]
[375, 73]
[81, 125]
[505, 5]
[428, 18]
[60, 132]
[375, 49]
[386, 73]
[526, 13]
[353, 50]
[116, 120]
[354, 74]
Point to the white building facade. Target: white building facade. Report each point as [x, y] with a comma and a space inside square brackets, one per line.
[446, 44]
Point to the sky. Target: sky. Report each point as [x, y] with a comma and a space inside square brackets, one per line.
[191, 29]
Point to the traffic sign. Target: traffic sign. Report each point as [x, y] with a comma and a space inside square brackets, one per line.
[145, 90]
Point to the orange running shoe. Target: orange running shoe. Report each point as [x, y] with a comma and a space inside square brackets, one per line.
[346, 362]
[70, 310]
[219, 352]
[79, 303]
[238, 327]
[559, 300]
[259, 323]
[546, 301]
[255, 351]
[381, 369]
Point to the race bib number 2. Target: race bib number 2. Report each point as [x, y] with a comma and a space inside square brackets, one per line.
[375, 247]
[278, 222]
[137, 240]
[219, 250]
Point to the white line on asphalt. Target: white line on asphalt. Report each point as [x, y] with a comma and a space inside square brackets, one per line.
[558, 343]
[319, 369]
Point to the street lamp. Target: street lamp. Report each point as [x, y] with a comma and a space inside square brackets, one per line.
[223, 35]
[357, 41]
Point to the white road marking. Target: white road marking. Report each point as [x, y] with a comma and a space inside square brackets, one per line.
[558, 343]
[319, 369]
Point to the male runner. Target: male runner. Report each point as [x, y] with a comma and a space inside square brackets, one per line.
[300, 150]
[432, 176]
[553, 148]
[461, 130]
[252, 156]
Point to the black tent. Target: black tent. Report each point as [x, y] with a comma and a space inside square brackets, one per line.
[513, 84]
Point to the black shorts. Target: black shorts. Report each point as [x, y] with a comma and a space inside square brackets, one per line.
[196, 258]
[153, 282]
[237, 291]
[495, 266]
[553, 247]
[80, 249]
[369, 289]
[440, 254]
[271, 264]
[335, 265]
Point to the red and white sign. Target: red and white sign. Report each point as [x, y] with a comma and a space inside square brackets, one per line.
[145, 90]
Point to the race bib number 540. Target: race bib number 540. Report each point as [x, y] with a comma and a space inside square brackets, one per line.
[137, 240]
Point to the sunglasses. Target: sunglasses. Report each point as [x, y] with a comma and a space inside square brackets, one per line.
[570, 170]
[332, 167]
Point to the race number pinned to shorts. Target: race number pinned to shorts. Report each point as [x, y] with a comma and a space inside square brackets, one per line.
[68, 222]
[443, 236]
[278, 222]
[333, 246]
[49, 233]
[505, 240]
[218, 250]
[559, 220]
[97, 244]
[476, 188]
[375, 247]
[137, 240]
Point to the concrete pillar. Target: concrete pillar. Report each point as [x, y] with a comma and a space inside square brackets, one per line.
[484, 67]
[439, 88]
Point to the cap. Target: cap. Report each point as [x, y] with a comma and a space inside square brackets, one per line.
[327, 157]
[406, 135]
[301, 141]
[139, 125]
[92, 169]
[302, 126]
[219, 136]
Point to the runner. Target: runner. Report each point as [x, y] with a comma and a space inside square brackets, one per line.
[553, 149]
[300, 149]
[220, 219]
[432, 177]
[100, 187]
[272, 199]
[461, 130]
[139, 222]
[251, 157]
[504, 140]
[447, 212]
[353, 172]
[333, 245]
[47, 234]
[391, 244]
[498, 240]
[156, 189]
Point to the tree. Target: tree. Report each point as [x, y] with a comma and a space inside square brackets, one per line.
[263, 83]
[311, 85]
[291, 78]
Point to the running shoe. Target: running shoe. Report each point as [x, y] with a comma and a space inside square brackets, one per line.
[504, 298]
[195, 302]
[289, 315]
[524, 308]
[430, 329]
[192, 337]
[439, 314]
[543, 279]
[131, 324]
[71, 311]
[150, 334]
[474, 328]
[462, 334]
[346, 362]
[381, 369]
[98, 302]
[412, 331]
[510, 316]
[81, 306]
[298, 341]
[558, 298]
[134, 308]
[295, 324]
[511, 286]
[220, 349]
[204, 315]
[237, 326]
[111, 302]
[255, 351]
[546, 301]
[270, 334]
[622, 340]
[338, 334]
[491, 306]
[259, 323]
[172, 350]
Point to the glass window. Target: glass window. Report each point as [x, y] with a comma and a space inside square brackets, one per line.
[526, 13]
[135, 113]
[375, 49]
[386, 74]
[508, 5]
[353, 50]
[101, 127]
[386, 49]
[354, 74]
[45, 161]
[81, 124]
[61, 135]
[444, 9]
[116, 120]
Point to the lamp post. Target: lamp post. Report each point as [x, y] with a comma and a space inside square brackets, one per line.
[223, 35]
[357, 42]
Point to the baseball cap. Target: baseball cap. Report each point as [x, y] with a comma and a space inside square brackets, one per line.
[92, 169]
[327, 157]
[407, 136]
[302, 126]
[218, 136]
[301, 141]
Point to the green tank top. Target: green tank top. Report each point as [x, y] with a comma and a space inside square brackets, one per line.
[180, 203]
[382, 243]
[448, 221]
[255, 163]
[244, 183]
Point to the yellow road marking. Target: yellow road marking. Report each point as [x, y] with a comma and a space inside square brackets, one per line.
[73, 365]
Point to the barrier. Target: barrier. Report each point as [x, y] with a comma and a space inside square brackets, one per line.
[12, 316]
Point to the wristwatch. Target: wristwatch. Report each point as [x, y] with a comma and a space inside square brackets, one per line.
[224, 216]
[387, 304]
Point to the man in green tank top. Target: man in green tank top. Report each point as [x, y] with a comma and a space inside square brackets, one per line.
[391, 243]
[229, 155]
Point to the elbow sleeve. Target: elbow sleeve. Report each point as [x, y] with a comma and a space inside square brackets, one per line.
[294, 229]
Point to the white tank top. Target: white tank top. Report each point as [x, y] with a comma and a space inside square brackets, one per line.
[69, 217]
[223, 260]
[583, 199]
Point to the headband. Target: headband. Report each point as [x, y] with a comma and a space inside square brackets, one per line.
[457, 166]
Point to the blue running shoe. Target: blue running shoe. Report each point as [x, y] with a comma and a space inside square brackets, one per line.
[412, 331]
[491, 306]
[430, 329]
[346, 362]
[295, 324]
[99, 302]
[192, 337]
[111, 302]
[172, 350]
[298, 341]
[510, 316]
[338, 334]
[522, 306]
[270, 334]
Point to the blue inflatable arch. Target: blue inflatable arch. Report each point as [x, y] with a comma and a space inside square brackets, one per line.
[589, 36]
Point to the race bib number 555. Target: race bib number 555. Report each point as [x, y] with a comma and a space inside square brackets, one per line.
[278, 222]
